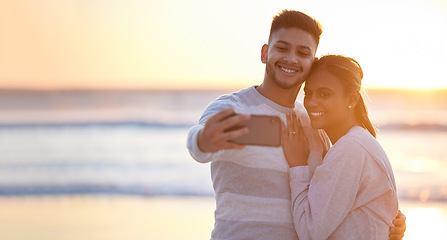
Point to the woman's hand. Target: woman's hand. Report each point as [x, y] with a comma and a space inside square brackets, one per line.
[317, 142]
[398, 230]
[294, 142]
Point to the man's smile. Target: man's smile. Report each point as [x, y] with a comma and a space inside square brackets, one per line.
[289, 69]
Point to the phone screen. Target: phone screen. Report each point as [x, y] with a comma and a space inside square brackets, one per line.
[263, 130]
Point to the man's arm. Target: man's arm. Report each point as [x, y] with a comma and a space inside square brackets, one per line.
[205, 141]
[213, 137]
[397, 232]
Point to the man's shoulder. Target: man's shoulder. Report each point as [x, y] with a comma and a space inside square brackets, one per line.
[238, 94]
[234, 98]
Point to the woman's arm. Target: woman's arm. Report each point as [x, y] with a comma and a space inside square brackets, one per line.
[320, 204]
[296, 149]
[320, 207]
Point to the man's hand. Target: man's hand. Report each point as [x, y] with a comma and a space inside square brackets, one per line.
[213, 136]
[397, 232]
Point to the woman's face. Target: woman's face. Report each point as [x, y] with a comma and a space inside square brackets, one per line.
[326, 101]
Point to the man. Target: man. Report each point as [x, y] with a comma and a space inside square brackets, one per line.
[251, 182]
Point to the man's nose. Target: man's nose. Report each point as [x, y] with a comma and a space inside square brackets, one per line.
[292, 57]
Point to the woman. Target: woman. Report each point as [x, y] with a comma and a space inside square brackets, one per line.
[352, 194]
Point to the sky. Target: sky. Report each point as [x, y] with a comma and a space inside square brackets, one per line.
[174, 44]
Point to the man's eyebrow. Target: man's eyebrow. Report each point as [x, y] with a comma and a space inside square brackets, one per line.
[282, 42]
[287, 43]
[305, 47]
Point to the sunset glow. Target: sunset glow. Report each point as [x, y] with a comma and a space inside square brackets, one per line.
[425, 223]
[54, 44]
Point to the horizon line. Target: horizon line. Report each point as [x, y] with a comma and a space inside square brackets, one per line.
[374, 88]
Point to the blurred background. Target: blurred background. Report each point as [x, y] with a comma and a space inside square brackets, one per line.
[96, 99]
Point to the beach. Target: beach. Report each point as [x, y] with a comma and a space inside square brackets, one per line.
[105, 218]
[157, 218]
[105, 165]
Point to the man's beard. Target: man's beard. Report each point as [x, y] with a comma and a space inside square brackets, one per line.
[271, 74]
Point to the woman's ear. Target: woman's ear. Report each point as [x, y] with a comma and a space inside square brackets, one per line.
[264, 51]
[354, 99]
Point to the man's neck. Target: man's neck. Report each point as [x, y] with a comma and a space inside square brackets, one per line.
[283, 97]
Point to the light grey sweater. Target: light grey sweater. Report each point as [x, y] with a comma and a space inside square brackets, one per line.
[351, 195]
[251, 185]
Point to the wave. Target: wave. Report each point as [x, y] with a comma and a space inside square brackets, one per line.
[100, 189]
[409, 127]
[431, 194]
[144, 124]
[98, 124]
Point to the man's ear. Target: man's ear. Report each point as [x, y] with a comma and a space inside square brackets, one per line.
[264, 51]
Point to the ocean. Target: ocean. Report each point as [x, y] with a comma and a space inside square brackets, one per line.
[133, 142]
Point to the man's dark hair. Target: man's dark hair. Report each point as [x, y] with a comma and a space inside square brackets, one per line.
[296, 19]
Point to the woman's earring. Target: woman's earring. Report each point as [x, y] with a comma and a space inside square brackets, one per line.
[350, 107]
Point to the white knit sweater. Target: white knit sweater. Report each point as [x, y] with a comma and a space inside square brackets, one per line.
[251, 185]
[351, 195]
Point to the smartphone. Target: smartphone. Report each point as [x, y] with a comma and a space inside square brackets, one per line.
[263, 130]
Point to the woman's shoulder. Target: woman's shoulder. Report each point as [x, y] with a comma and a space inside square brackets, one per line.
[358, 135]
[357, 141]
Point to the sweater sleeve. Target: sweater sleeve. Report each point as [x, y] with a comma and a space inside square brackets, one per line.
[194, 149]
[222, 103]
[322, 201]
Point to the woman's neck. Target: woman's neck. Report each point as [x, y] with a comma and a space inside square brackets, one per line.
[335, 134]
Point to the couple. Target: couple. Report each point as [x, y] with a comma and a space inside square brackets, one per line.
[306, 189]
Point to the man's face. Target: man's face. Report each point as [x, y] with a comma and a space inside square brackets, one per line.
[289, 57]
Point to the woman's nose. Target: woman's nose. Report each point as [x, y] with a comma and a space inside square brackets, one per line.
[310, 102]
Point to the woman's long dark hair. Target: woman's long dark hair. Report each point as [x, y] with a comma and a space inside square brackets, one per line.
[350, 73]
